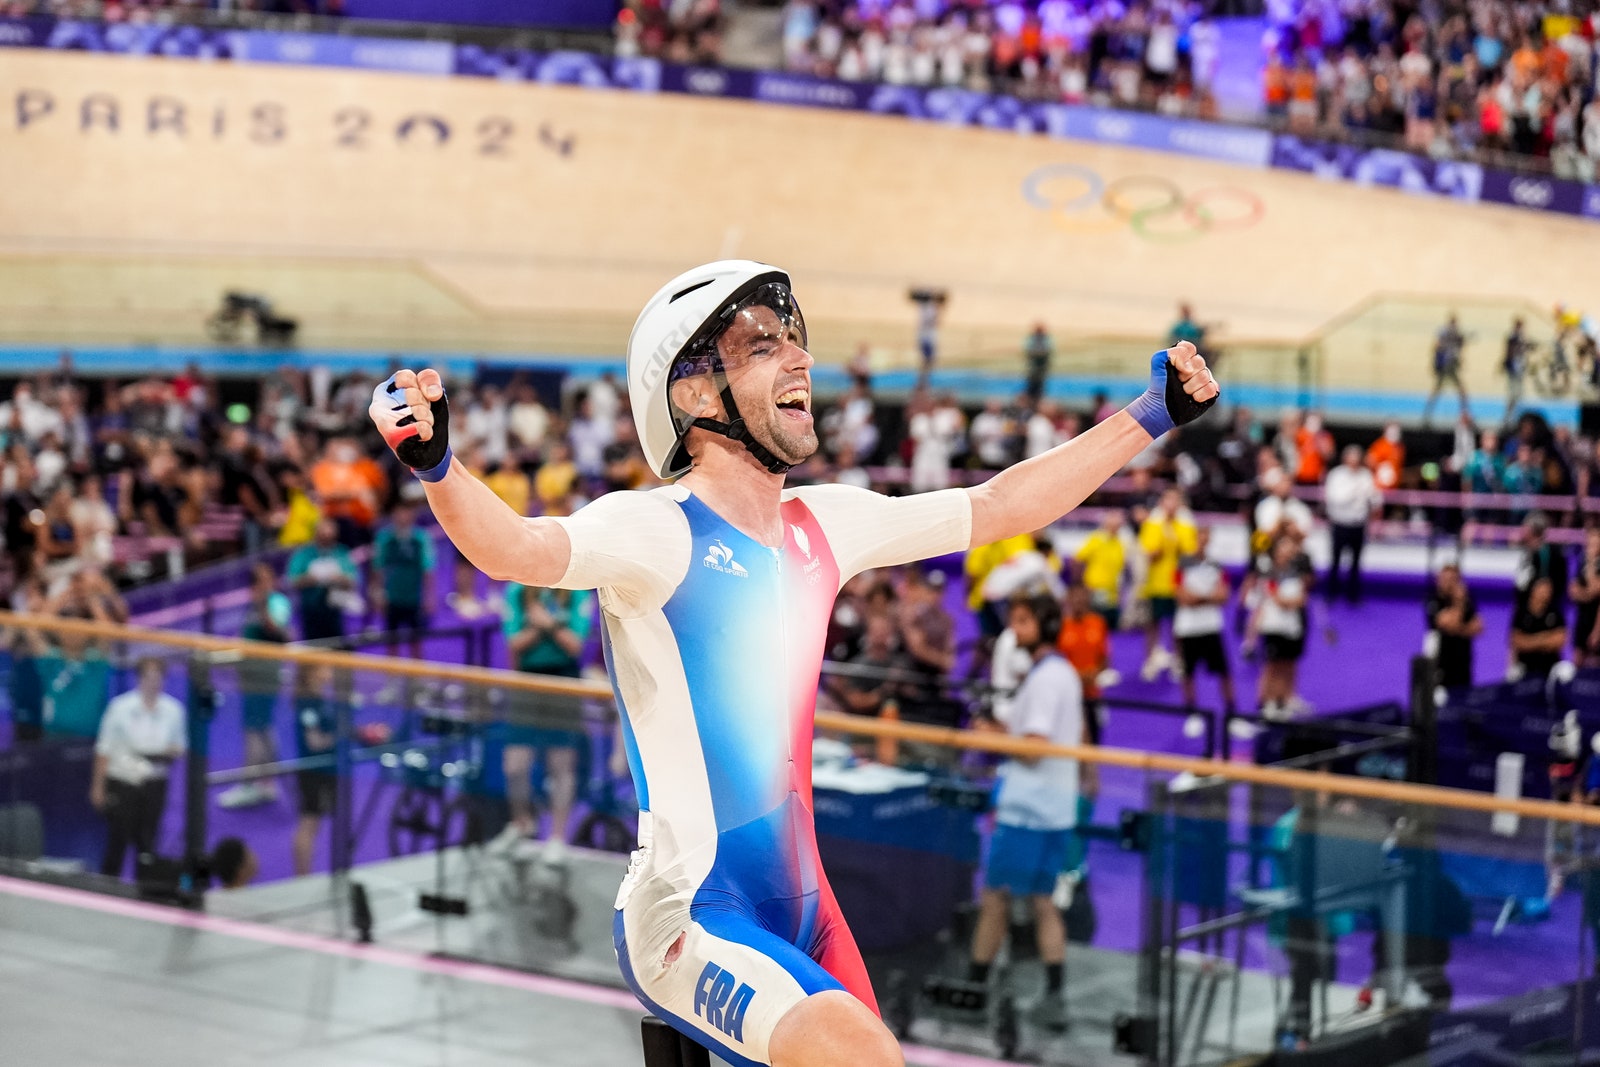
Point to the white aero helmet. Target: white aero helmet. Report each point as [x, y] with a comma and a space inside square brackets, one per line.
[676, 337]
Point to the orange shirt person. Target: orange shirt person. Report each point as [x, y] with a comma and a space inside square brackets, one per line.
[1085, 643]
[348, 484]
[1387, 457]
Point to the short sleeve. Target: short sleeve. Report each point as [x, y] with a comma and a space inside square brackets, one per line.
[179, 738]
[110, 726]
[866, 530]
[298, 563]
[632, 546]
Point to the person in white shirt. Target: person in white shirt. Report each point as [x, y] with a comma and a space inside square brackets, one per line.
[1280, 621]
[1198, 623]
[529, 420]
[1351, 498]
[991, 435]
[1279, 511]
[141, 733]
[1036, 805]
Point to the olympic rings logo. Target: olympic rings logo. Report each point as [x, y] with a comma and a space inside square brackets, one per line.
[1079, 200]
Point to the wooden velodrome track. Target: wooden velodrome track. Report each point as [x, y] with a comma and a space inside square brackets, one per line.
[389, 210]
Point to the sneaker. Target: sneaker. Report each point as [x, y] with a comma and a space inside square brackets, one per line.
[1151, 668]
[1049, 1012]
[244, 795]
[554, 853]
[1242, 730]
[506, 840]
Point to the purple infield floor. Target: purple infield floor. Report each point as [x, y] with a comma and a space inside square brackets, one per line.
[1367, 663]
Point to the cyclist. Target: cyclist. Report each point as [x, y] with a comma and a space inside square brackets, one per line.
[715, 594]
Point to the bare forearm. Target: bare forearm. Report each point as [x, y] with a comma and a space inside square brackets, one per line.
[1036, 492]
[494, 538]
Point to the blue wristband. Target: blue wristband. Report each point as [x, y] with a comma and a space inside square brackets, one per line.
[1149, 409]
[438, 471]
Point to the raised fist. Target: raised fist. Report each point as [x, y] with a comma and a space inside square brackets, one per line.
[411, 412]
[1181, 390]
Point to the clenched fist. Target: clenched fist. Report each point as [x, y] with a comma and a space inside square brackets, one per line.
[1181, 390]
[413, 415]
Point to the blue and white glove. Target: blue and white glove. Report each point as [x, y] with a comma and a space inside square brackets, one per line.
[394, 410]
[1167, 402]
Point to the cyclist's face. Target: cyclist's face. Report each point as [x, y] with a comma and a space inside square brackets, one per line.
[769, 372]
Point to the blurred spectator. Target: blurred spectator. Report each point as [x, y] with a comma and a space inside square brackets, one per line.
[316, 719]
[1166, 536]
[1387, 457]
[529, 420]
[1279, 511]
[1453, 625]
[872, 681]
[1541, 560]
[1313, 450]
[325, 577]
[1585, 593]
[1352, 500]
[992, 435]
[1538, 632]
[1279, 622]
[1103, 561]
[350, 487]
[1085, 641]
[1202, 592]
[142, 733]
[589, 433]
[266, 619]
[928, 638]
[1514, 365]
[934, 429]
[1447, 348]
[404, 561]
[546, 630]
[680, 31]
[1037, 350]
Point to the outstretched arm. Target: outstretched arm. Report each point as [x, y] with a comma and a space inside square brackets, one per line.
[411, 412]
[1036, 492]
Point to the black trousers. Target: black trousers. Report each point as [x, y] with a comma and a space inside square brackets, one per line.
[1346, 540]
[133, 817]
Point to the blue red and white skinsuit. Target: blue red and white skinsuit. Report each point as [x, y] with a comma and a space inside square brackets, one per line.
[714, 645]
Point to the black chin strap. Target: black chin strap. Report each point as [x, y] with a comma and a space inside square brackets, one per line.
[739, 432]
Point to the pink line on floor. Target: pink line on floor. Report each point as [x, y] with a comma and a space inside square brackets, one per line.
[466, 971]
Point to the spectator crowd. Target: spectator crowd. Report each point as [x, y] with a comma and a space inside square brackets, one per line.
[1452, 78]
[1160, 55]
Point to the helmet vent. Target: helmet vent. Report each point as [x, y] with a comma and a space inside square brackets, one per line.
[685, 292]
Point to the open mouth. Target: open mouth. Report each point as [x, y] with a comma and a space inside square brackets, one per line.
[796, 403]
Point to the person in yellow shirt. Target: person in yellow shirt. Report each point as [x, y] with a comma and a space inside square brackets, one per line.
[1103, 563]
[510, 483]
[981, 559]
[300, 514]
[1167, 536]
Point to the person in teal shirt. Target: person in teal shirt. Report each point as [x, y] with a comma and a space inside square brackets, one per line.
[260, 682]
[325, 576]
[404, 560]
[75, 680]
[546, 630]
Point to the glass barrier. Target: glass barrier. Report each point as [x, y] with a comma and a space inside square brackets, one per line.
[1295, 899]
[1387, 343]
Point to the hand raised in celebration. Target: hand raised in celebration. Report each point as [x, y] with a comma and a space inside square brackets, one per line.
[411, 412]
[1181, 390]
